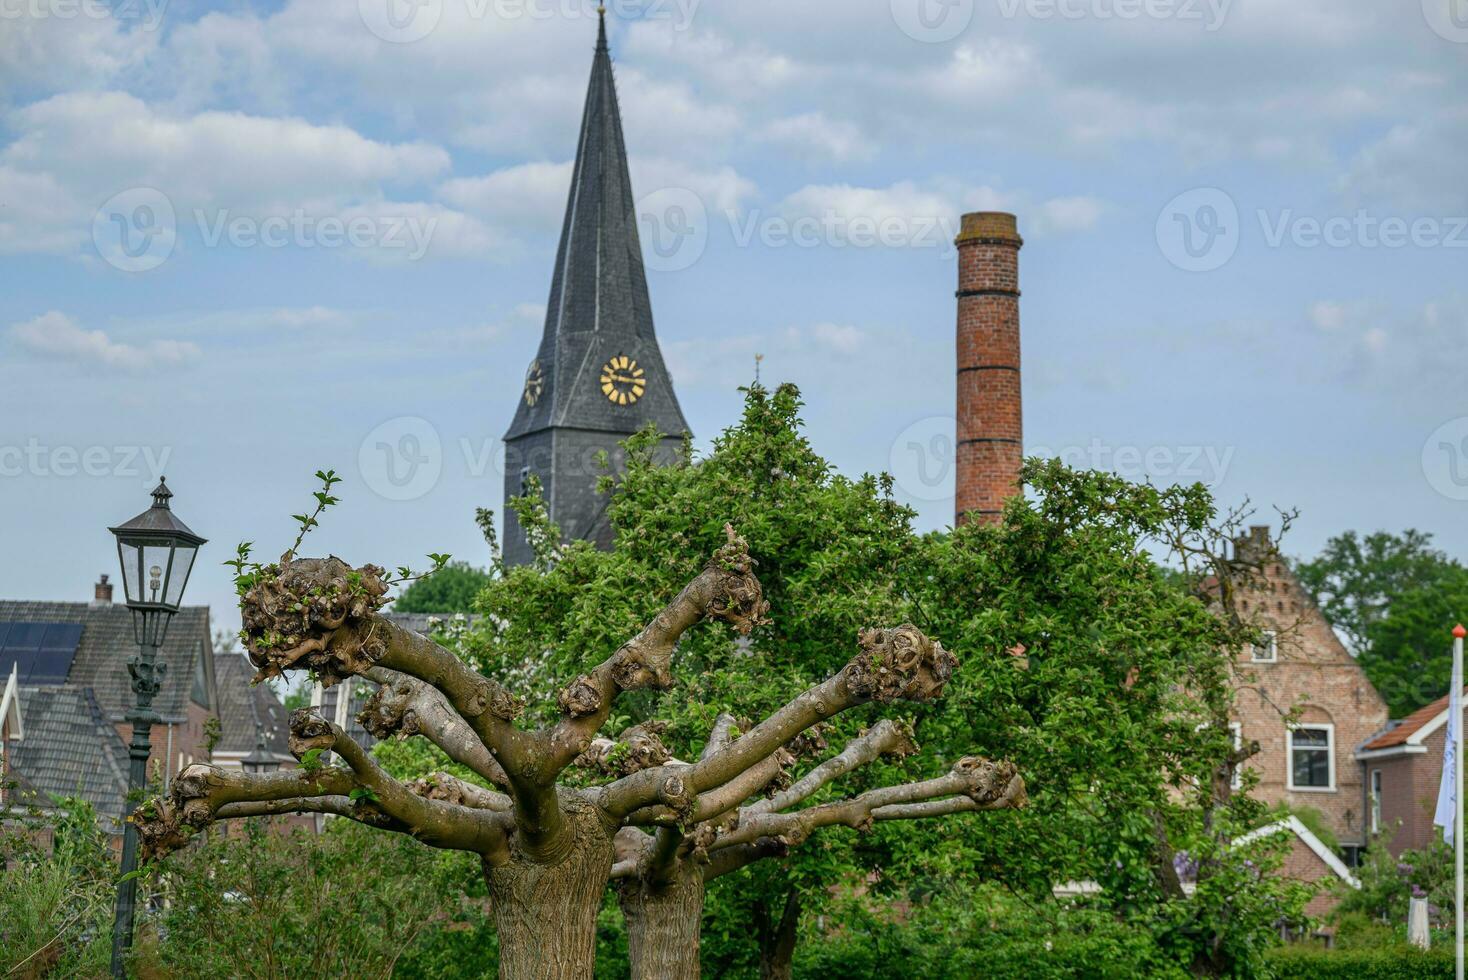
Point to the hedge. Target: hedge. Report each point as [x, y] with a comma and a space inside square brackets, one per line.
[1392, 963]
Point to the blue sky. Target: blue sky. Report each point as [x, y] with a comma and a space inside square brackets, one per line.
[243, 241]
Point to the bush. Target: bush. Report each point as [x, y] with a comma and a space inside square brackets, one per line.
[1391, 963]
[351, 902]
[986, 934]
[56, 901]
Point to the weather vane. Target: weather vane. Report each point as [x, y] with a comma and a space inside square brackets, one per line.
[757, 359]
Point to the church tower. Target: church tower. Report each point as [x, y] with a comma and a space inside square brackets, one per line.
[598, 376]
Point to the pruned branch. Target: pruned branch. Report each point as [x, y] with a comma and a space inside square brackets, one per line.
[988, 785]
[893, 664]
[725, 590]
[886, 737]
[405, 706]
[203, 794]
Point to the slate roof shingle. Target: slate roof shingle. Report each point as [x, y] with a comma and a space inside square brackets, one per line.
[107, 644]
[70, 749]
[242, 708]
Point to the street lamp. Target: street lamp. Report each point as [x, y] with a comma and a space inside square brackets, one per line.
[261, 760]
[157, 552]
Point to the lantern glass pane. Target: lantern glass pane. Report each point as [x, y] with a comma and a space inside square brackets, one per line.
[183, 561]
[155, 572]
[132, 574]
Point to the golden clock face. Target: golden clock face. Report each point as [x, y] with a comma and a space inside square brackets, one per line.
[622, 381]
[534, 383]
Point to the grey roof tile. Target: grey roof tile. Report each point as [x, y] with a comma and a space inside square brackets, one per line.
[70, 749]
[107, 644]
[242, 708]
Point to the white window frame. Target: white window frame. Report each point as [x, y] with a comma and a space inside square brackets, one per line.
[1329, 730]
[1236, 780]
[1271, 639]
[1375, 796]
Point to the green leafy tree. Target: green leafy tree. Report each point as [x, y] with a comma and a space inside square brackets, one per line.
[1074, 647]
[452, 589]
[1101, 679]
[1396, 599]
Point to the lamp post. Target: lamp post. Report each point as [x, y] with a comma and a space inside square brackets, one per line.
[156, 551]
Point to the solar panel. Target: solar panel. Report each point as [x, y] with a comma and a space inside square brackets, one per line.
[41, 652]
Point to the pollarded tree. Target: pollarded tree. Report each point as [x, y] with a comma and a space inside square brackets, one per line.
[549, 847]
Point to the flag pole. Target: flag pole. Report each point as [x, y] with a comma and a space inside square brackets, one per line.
[1456, 702]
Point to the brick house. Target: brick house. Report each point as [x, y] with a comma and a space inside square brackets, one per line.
[1305, 700]
[71, 663]
[1402, 768]
[1308, 860]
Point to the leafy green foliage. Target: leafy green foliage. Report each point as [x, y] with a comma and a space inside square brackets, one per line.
[1396, 598]
[451, 590]
[266, 902]
[1388, 883]
[56, 894]
[1401, 962]
[1100, 674]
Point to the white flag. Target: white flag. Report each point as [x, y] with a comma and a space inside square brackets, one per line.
[1447, 803]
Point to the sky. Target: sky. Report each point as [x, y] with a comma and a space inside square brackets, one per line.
[244, 241]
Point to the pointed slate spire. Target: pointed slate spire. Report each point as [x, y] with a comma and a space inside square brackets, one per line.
[599, 308]
[598, 375]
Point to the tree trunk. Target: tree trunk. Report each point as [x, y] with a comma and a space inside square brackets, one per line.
[663, 925]
[777, 940]
[546, 914]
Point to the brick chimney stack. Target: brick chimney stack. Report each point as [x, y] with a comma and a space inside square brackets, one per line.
[102, 594]
[990, 418]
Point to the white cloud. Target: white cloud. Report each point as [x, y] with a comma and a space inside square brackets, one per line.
[1069, 214]
[814, 136]
[527, 195]
[843, 339]
[1416, 165]
[56, 335]
[1329, 316]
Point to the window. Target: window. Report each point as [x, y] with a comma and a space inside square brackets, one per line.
[1375, 800]
[1312, 759]
[1266, 651]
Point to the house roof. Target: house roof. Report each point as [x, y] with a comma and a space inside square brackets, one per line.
[1412, 729]
[1292, 824]
[245, 710]
[107, 643]
[70, 749]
